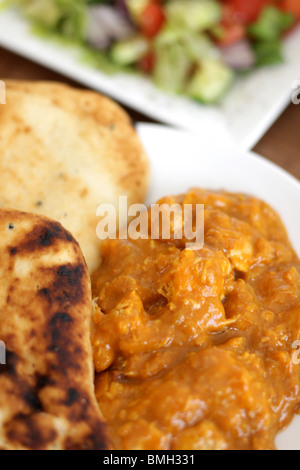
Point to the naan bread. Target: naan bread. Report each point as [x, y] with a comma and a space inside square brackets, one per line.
[63, 152]
[47, 396]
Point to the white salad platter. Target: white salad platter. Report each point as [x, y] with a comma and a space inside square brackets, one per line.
[246, 113]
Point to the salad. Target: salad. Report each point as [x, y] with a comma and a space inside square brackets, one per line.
[189, 47]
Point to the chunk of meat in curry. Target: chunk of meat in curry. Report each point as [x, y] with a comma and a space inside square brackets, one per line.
[193, 349]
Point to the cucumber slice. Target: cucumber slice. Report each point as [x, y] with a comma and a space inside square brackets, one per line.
[130, 51]
[199, 48]
[171, 68]
[169, 35]
[194, 15]
[210, 82]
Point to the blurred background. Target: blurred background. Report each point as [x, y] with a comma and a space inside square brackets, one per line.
[227, 57]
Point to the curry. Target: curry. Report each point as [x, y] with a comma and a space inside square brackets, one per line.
[195, 349]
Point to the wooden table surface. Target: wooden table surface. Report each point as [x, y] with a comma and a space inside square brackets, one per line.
[281, 144]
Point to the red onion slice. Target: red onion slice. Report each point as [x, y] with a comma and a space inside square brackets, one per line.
[107, 24]
[239, 56]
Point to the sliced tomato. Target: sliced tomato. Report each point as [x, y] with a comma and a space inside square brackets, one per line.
[231, 31]
[247, 11]
[152, 19]
[292, 6]
[231, 34]
[146, 64]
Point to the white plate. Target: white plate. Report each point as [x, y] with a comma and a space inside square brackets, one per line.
[246, 113]
[179, 162]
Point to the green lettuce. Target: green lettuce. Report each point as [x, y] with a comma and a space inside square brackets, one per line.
[66, 17]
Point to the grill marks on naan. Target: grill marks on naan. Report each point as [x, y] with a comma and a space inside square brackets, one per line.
[47, 396]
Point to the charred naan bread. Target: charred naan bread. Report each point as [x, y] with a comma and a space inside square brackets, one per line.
[47, 396]
[63, 152]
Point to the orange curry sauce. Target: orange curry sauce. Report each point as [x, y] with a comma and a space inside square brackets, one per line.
[194, 349]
